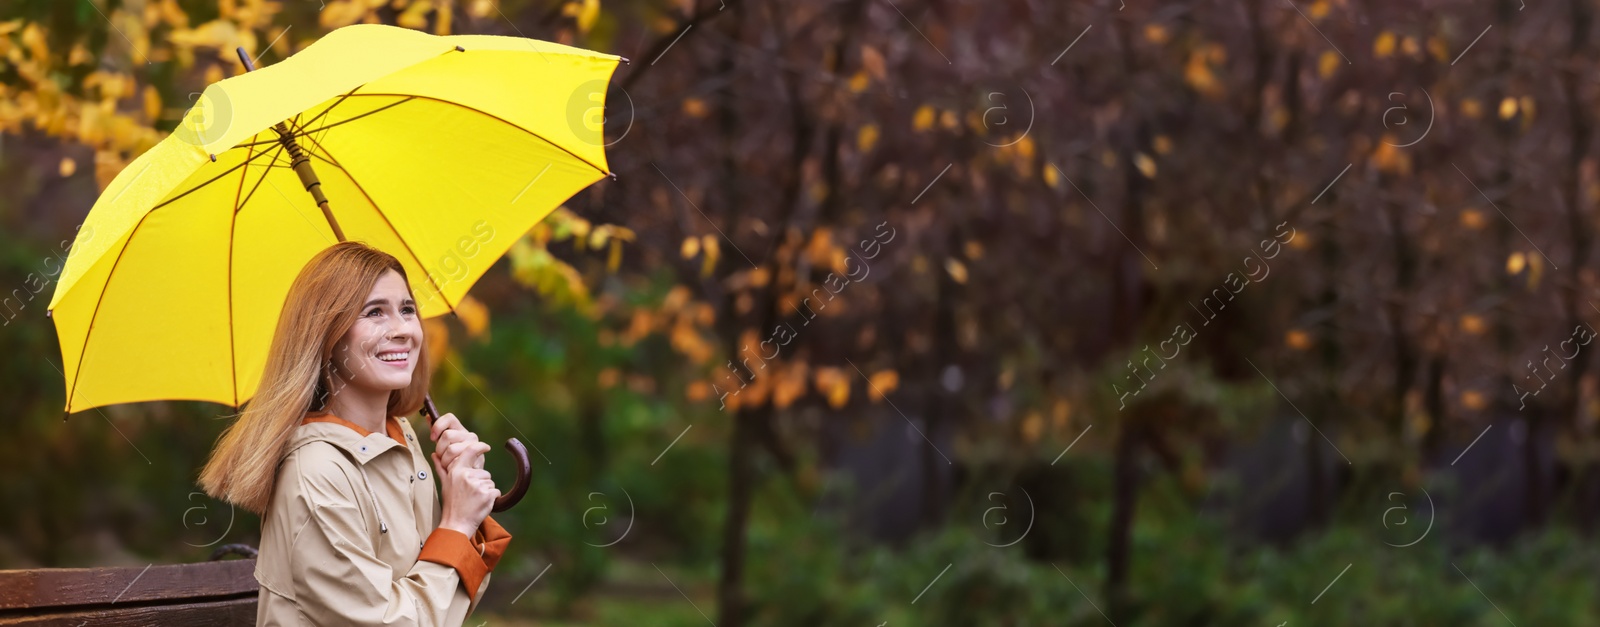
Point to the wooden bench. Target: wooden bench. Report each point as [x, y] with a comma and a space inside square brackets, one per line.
[205, 593]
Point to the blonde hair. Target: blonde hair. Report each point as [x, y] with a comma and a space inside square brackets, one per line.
[322, 305]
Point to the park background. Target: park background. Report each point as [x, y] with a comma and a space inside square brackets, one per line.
[1136, 313]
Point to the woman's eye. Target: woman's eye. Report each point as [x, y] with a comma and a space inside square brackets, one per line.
[374, 312]
[408, 309]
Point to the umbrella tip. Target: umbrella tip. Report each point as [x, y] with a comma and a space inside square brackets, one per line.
[625, 60]
[613, 175]
[213, 158]
[244, 58]
[460, 49]
[47, 312]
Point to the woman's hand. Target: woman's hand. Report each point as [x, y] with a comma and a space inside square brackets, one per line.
[468, 490]
[451, 440]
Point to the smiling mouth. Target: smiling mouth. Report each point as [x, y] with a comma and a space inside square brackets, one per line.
[395, 358]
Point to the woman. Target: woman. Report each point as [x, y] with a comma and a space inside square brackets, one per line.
[351, 531]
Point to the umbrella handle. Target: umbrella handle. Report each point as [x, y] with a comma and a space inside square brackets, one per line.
[519, 455]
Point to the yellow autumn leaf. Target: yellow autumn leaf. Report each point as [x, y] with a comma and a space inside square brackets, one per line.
[68, 166]
[1473, 219]
[833, 384]
[1319, 9]
[1438, 49]
[1410, 46]
[694, 107]
[1146, 165]
[152, 103]
[1525, 103]
[859, 82]
[1156, 33]
[588, 14]
[614, 257]
[1162, 144]
[957, 270]
[1471, 108]
[79, 55]
[948, 121]
[690, 248]
[1198, 75]
[1390, 158]
[1051, 176]
[820, 249]
[473, 315]
[1328, 63]
[1472, 324]
[436, 334]
[607, 378]
[1535, 271]
[696, 391]
[442, 23]
[755, 394]
[415, 17]
[1508, 108]
[1297, 339]
[1061, 414]
[713, 249]
[1383, 46]
[922, 120]
[788, 384]
[1032, 426]
[883, 383]
[1516, 262]
[867, 137]
[1474, 400]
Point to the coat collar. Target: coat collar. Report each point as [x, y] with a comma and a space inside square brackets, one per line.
[362, 445]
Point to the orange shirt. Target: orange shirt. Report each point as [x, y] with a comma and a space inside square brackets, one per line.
[474, 558]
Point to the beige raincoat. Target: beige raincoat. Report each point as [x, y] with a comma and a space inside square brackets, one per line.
[351, 535]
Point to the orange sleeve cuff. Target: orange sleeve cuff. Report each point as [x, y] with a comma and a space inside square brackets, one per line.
[472, 557]
[452, 548]
[490, 542]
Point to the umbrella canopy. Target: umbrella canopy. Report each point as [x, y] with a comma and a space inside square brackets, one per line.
[442, 151]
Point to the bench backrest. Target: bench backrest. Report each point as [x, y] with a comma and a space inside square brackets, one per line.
[205, 593]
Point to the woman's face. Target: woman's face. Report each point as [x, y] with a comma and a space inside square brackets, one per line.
[380, 351]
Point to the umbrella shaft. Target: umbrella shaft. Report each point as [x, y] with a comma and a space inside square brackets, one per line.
[298, 159]
[308, 177]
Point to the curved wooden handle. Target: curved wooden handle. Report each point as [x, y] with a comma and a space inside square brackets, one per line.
[519, 456]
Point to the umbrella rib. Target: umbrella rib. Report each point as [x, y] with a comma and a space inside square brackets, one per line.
[257, 186]
[233, 222]
[330, 108]
[438, 290]
[325, 128]
[207, 182]
[486, 114]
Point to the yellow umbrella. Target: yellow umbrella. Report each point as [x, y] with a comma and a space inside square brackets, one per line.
[442, 151]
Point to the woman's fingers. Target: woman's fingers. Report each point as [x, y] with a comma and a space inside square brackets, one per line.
[452, 438]
[464, 455]
[443, 424]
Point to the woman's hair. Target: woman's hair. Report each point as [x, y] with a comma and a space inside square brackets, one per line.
[322, 305]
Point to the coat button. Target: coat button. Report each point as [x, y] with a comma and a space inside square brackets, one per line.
[422, 474]
[363, 448]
